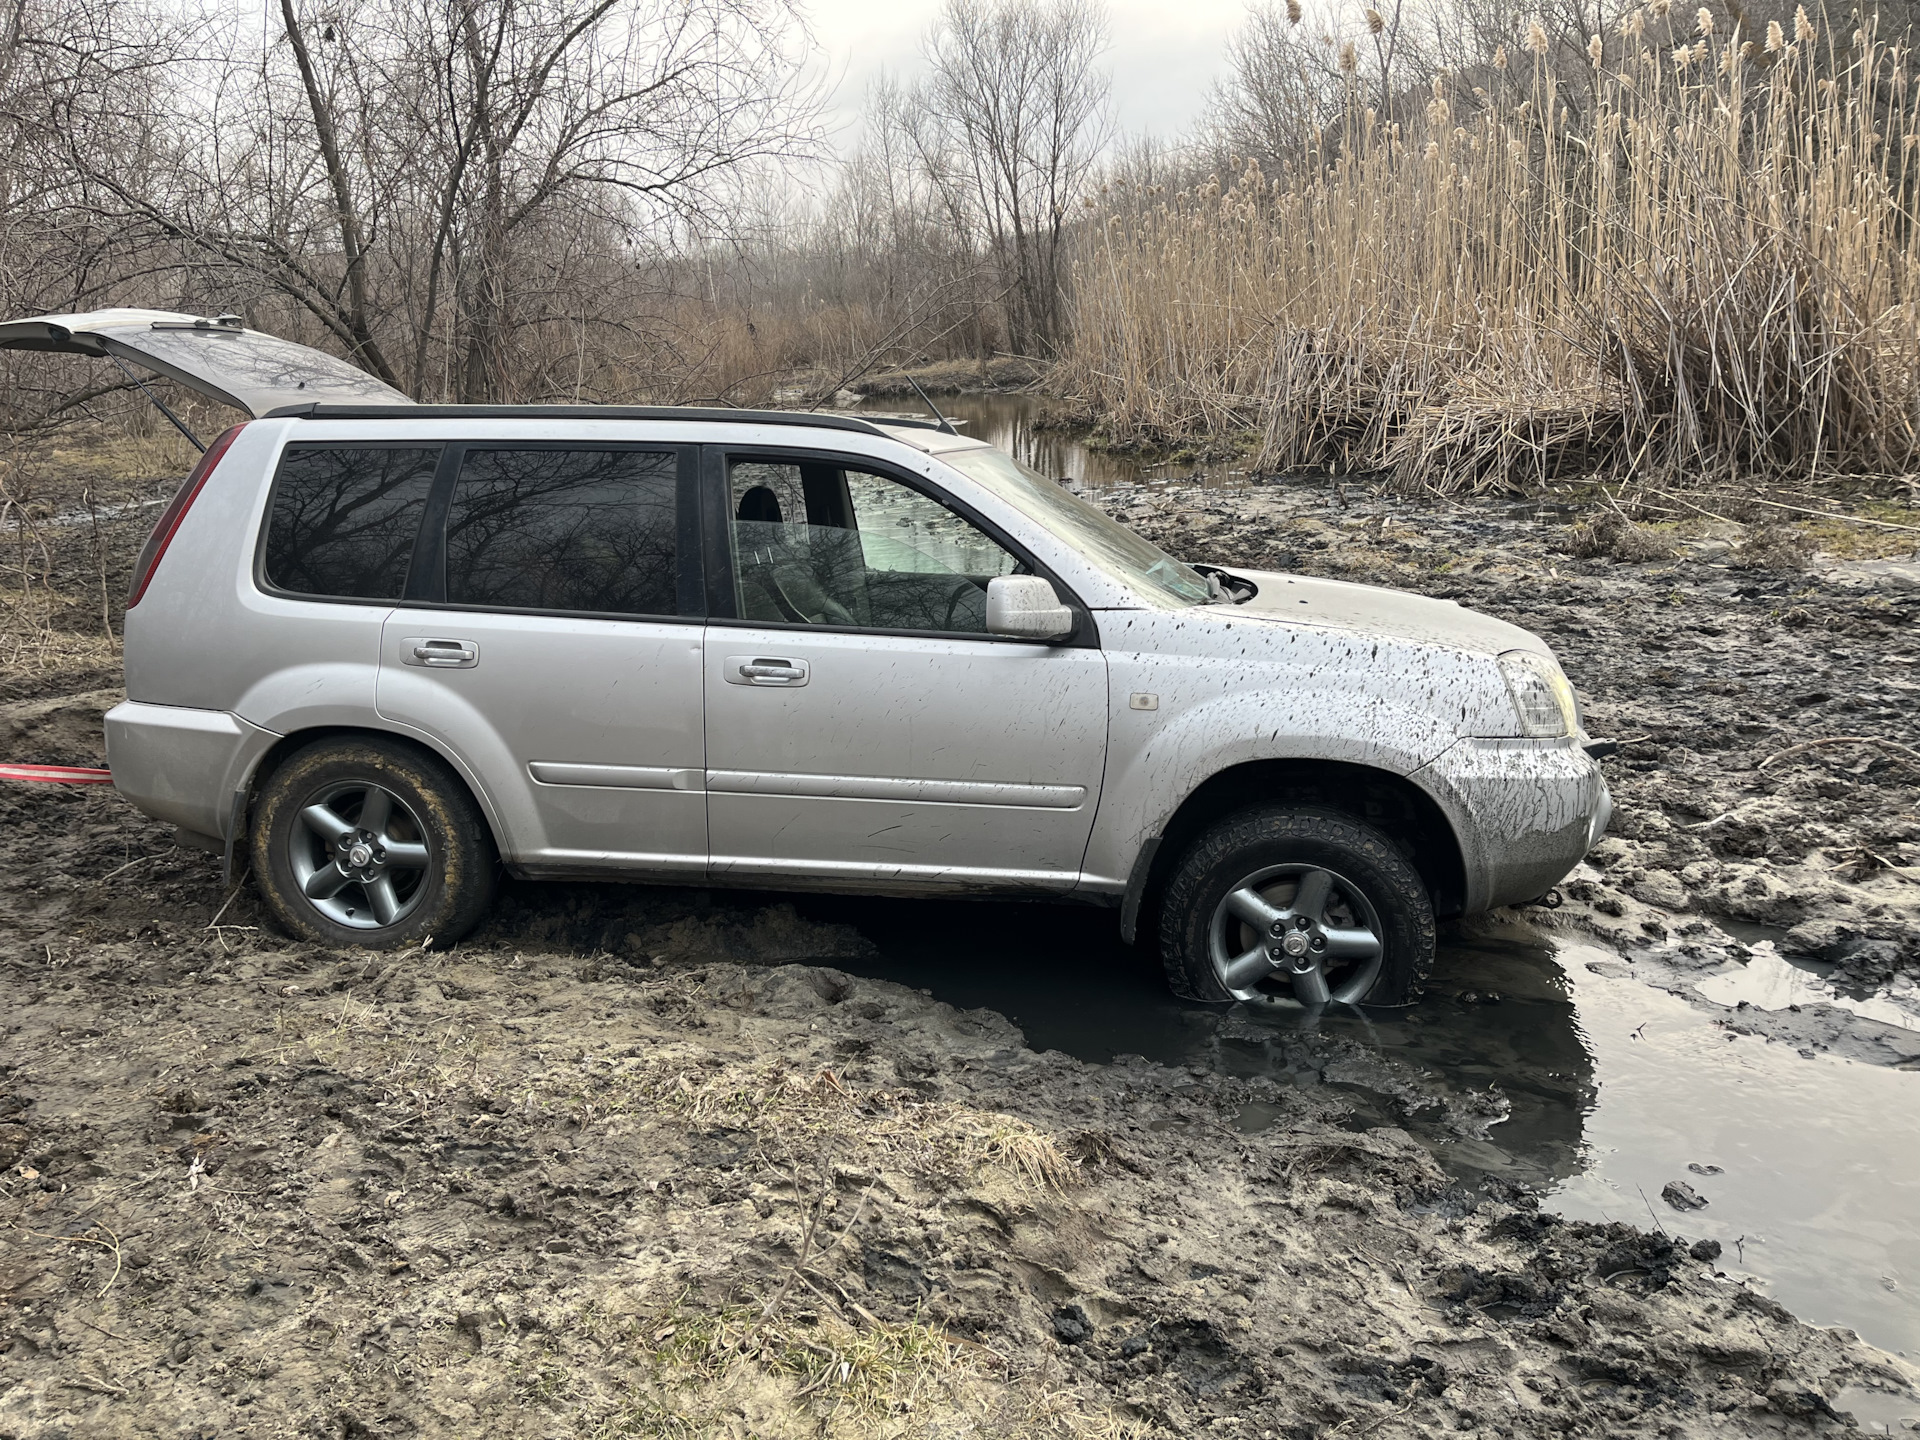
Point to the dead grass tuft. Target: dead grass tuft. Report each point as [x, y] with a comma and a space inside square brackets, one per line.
[825, 1376]
[895, 1125]
[1610, 535]
[1779, 545]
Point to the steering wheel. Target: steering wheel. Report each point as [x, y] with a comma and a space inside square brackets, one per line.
[832, 612]
[964, 590]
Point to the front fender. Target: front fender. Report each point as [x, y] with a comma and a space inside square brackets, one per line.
[1157, 759]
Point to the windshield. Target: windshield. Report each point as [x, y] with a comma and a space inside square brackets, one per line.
[1102, 540]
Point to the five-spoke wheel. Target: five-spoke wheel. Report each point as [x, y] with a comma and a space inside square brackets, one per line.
[1307, 904]
[368, 841]
[360, 855]
[1304, 924]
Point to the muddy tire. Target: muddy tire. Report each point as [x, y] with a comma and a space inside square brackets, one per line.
[370, 842]
[1267, 900]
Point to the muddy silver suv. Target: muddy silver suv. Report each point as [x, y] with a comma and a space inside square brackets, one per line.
[386, 650]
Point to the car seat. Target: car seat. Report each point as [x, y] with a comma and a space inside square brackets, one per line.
[777, 580]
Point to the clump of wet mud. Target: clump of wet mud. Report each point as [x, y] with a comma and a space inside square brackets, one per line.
[621, 1166]
[1769, 772]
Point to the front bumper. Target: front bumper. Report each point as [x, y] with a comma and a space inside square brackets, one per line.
[183, 765]
[1524, 812]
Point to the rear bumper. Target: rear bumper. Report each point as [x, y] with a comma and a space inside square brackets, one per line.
[182, 765]
[1525, 812]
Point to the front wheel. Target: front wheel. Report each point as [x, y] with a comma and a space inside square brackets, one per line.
[369, 842]
[1309, 903]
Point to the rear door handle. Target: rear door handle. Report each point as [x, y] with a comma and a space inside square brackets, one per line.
[766, 670]
[438, 654]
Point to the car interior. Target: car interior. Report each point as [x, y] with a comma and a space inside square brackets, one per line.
[817, 543]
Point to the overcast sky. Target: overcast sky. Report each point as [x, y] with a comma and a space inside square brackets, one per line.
[1162, 55]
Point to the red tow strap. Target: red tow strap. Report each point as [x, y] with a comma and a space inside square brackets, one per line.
[57, 774]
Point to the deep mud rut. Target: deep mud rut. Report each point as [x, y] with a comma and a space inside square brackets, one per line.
[646, 1162]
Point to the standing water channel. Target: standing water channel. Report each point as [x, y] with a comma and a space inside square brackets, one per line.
[1011, 422]
[1610, 1088]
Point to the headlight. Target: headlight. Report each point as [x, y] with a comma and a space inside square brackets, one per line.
[1541, 695]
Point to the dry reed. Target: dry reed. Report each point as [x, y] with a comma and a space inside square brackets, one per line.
[1697, 264]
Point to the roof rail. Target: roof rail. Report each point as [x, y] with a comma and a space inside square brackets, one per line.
[809, 418]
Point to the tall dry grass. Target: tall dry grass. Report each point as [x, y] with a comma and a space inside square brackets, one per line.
[1700, 261]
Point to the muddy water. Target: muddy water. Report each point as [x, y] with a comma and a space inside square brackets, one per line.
[1818, 1189]
[1008, 422]
[1597, 1092]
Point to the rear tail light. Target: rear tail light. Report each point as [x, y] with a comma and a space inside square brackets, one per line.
[175, 512]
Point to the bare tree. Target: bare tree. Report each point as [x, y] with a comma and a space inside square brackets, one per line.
[1007, 127]
[436, 184]
[71, 73]
[1281, 86]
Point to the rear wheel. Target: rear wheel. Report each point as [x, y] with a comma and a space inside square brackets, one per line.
[368, 842]
[1303, 903]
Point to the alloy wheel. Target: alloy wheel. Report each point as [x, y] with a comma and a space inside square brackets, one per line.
[1303, 924]
[359, 855]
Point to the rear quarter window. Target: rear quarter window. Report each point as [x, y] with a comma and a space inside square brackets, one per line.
[343, 519]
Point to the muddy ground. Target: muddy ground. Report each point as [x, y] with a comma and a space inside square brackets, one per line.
[647, 1162]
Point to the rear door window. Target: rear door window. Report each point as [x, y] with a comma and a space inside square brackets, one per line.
[582, 530]
[344, 519]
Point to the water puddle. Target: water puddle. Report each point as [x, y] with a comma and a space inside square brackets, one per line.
[1769, 981]
[1813, 1165]
[1596, 1092]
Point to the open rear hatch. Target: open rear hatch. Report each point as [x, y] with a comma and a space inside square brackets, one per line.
[218, 358]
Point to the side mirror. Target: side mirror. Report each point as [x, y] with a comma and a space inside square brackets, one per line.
[1026, 607]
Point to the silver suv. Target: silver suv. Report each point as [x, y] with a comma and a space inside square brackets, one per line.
[385, 650]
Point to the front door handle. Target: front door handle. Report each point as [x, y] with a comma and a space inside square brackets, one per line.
[438, 654]
[766, 670]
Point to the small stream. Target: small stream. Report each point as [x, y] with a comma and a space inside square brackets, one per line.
[1008, 421]
[1612, 1089]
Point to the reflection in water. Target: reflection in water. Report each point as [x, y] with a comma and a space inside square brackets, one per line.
[1610, 1089]
[1770, 981]
[1818, 1182]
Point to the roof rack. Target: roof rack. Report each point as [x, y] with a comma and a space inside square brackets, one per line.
[319, 411]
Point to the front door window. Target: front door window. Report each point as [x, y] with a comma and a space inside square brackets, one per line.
[821, 543]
